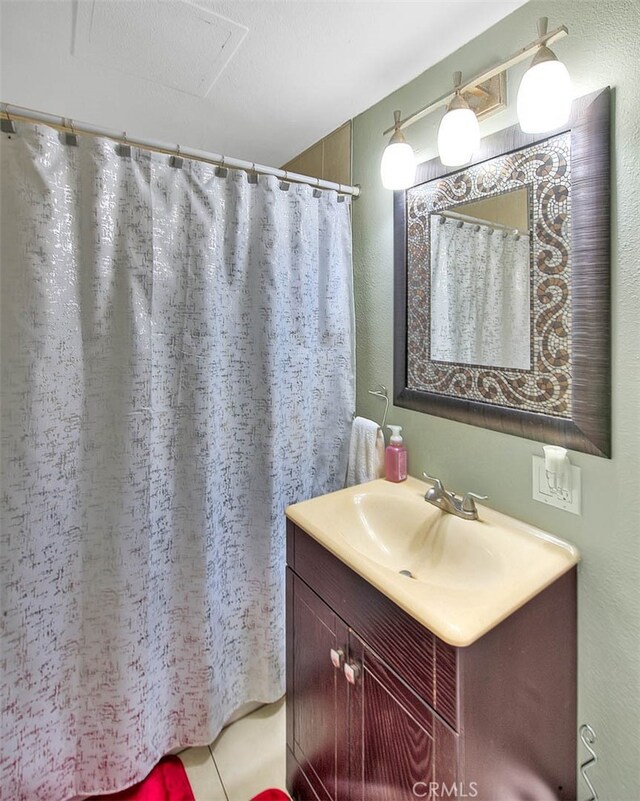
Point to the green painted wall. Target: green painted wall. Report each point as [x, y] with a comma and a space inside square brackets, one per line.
[603, 49]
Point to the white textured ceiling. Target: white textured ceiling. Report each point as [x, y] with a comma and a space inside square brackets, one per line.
[302, 69]
[185, 46]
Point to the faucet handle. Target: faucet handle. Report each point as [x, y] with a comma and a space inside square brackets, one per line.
[468, 503]
[437, 484]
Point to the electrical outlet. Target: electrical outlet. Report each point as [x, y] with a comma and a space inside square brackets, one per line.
[571, 502]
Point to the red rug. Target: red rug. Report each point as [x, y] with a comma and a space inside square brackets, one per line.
[166, 782]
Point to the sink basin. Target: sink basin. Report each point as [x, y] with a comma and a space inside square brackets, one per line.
[404, 533]
[460, 578]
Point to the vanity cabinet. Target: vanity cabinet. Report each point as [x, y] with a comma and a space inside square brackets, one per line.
[380, 709]
[360, 732]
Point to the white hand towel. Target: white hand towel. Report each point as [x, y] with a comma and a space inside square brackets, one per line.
[366, 452]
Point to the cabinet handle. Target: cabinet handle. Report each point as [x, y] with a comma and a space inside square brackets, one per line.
[337, 657]
[351, 672]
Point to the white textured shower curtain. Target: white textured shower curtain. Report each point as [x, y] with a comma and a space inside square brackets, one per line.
[480, 302]
[176, 368]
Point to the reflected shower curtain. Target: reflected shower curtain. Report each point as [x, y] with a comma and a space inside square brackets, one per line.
[480, 302]
[177, 366]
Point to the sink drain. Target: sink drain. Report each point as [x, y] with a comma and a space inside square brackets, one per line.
[406, 573]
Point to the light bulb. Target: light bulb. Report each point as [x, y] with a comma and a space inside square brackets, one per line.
[398, 166]
[544, 96]
[458, 135]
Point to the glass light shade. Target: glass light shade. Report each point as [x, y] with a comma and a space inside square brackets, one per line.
[544, 97]
[398, 166]
[458, 137]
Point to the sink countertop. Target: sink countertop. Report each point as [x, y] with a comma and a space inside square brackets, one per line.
[466, 575]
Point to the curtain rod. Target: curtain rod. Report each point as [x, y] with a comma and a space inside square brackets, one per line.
[467, 218]
[23, 114]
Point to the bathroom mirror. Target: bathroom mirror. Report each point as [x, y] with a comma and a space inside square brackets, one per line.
[502, 285]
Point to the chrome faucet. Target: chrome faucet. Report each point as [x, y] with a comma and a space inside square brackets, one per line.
[448, 502]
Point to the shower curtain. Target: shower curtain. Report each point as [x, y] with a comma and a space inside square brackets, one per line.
[177, 367]
[480, 302]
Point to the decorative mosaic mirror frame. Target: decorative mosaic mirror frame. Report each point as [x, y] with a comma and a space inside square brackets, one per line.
[564, 399]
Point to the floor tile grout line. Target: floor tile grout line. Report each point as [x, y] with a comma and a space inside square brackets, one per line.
[215, 765]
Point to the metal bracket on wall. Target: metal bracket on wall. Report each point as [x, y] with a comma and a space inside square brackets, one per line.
[381, 392]
[489, 97]
[588, 737]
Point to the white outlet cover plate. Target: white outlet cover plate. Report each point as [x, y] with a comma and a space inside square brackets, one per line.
[542, 492]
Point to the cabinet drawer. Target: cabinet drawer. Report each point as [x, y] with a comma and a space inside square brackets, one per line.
[419, 657]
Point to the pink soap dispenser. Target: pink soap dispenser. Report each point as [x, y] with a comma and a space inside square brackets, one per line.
[395, 456]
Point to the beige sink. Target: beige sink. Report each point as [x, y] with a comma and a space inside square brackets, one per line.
[466, 575]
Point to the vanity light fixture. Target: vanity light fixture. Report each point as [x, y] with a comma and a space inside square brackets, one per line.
[459, 132]
[539, 104]
[398, 165]
[544, 96]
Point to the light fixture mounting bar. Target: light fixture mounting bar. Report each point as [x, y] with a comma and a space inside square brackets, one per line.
[515, 58]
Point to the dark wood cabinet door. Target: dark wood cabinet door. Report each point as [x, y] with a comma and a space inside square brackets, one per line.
[400, 750]
[318, 694]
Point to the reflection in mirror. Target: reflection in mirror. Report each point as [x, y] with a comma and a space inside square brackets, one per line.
[480, 282]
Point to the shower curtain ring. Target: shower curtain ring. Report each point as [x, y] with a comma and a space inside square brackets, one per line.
[7, 125]
[316, 191]
[122, 148]
[69, 137]
[177, 160]
[284, 184]
[221, 170]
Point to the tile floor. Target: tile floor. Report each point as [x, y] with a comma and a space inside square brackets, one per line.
[247, 757]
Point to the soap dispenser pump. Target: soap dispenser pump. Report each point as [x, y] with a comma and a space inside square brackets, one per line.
[395, 456]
